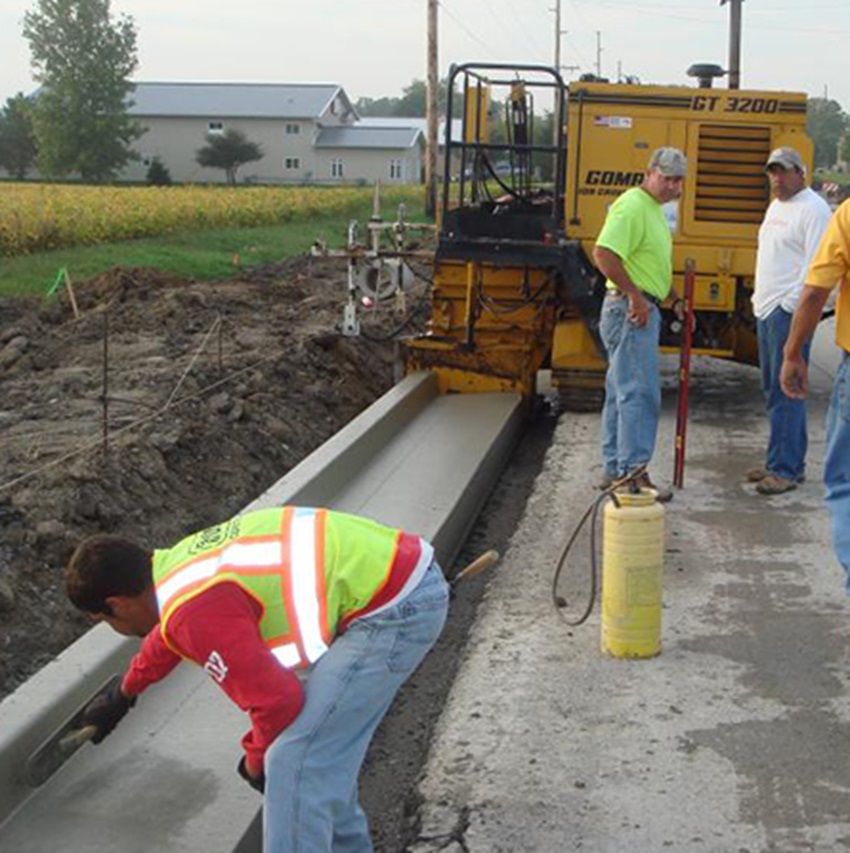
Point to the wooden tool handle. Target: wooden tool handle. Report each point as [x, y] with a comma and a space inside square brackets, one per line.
[75, 739]
[487, 559]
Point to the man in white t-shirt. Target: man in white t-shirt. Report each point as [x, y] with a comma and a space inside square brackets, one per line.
[788, 237]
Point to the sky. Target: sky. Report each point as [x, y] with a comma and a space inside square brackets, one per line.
[375, 48]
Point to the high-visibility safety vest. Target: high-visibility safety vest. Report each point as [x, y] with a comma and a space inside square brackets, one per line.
[313, 571]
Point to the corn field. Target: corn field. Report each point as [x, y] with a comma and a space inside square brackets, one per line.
[39, 217]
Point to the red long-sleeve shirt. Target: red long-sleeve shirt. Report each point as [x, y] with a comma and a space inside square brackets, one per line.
[219, 630]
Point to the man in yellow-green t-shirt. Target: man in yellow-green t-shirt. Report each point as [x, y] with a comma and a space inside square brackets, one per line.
[830, 267]
[634, 251]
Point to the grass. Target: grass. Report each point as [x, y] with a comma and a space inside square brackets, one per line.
[191, 254]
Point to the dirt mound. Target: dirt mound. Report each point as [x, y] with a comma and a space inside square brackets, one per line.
[164, 406]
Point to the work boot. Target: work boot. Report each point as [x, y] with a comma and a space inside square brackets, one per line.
[773, 484]
[756, 475]
[605, 481]
[663, 494]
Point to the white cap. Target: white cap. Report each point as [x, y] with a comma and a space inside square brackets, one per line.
[787, 157]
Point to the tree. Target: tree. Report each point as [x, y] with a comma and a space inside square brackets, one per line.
[158, 174]
[83, 60]
[827, 123]
[17, 142]
[410, 105]
[228, 151]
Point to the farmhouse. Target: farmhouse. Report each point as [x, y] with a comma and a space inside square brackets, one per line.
[309, 133]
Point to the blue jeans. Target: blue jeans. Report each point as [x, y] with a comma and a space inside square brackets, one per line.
[836, 472]
[311, 800]
[786, 448]
[632, 387]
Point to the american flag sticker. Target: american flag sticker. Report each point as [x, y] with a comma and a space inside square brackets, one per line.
[616, 122]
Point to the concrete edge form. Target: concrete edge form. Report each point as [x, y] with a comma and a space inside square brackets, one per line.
[41, 705]
[449, 539]
[317, 478]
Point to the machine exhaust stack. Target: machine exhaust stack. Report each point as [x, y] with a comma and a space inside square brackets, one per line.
[734, 42]
[705, 74]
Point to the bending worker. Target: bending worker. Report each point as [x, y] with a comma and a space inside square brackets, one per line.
[250, 600]
[634, 251]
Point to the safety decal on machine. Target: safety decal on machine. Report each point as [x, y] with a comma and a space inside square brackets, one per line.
[615, 122]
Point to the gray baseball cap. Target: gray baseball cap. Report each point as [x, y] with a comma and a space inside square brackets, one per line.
[671, 162]
[787, 157]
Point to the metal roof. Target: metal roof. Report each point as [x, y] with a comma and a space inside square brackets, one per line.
[420, 123]
[358, 136]
[236, 100]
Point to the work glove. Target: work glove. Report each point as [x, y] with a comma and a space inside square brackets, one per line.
[258, 783]
[106, 711]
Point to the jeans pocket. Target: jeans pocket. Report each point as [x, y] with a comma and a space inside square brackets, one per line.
[611, 323]
[420, 625]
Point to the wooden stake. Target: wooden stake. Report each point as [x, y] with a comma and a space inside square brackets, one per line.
[71, 296]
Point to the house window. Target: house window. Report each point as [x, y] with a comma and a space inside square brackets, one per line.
[395, 170]
[293, 129]
[215, 128]
[336, 168]
[292, 163]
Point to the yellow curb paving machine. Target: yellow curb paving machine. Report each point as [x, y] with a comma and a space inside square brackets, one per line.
[514, 290]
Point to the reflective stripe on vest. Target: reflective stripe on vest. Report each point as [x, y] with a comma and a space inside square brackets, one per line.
[300, 546]
[308, 581]
[260, 554]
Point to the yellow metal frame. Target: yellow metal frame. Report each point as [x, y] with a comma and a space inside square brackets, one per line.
[494, 324]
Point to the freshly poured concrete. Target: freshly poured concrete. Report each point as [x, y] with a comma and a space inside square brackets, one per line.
[166, 779]
[736, 739]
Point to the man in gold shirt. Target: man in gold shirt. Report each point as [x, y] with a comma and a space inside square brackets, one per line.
[830, 267]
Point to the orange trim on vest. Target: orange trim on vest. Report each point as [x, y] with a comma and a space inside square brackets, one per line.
[321, 594]
[286, 581]
[193, 589]
[189, 594]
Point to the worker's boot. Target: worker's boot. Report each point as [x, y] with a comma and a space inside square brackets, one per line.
[773, 484]
[756, 475]
[663, 494]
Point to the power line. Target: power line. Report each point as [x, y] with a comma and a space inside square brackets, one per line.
[494, 54]
[538, 49]
[665, 12]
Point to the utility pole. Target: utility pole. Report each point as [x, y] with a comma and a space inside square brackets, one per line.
[734, 42]
[598, 53]
[431, 114]
[556, 111]
[558, 34]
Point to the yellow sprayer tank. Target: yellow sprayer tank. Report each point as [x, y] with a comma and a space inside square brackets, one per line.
[632, 563]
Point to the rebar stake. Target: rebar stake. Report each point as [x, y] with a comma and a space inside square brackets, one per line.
[105, 382]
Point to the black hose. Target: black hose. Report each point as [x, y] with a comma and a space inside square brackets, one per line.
[591, 512]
